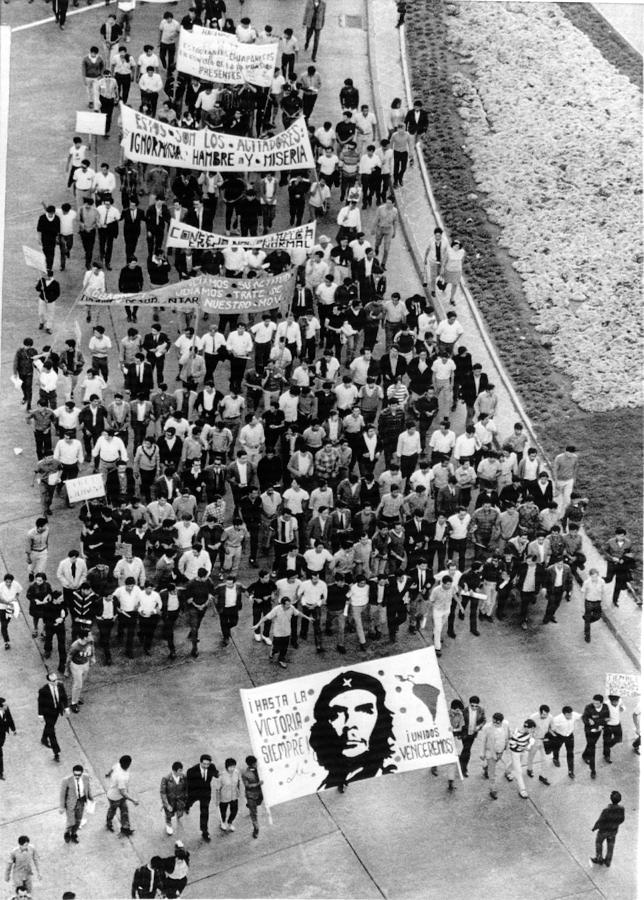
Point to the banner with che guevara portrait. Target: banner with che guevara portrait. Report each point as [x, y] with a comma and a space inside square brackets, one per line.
[382, 717]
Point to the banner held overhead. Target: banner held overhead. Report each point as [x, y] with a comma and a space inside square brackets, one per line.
[220, 57]
[210, 293]
[149, 141]
[187, 237]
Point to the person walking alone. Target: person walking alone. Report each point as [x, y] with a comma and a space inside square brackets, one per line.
[118, 795]
[607, 826]
[75, 793]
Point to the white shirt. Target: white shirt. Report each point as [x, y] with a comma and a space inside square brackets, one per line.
[408, 444]
[240, 345]
[293, 500]
[459, 526]
[312, 594]
[562, 725]
[289, 404]
[212, 343]
[448, 333]
[189, 564]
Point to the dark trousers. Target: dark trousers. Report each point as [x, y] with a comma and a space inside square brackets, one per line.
[27, 387]
[261, 609]
[107, 107]
[610, 846]
[288, 64]
[124, 82]
[474, 605]
[127, 627]
[296, 211]
[384, 188]
[314, 33]
[237, 369]
[228, 811]
[280, 647]
[43, 442]
[569, 742]
[315, 614]
[104, 634]
[50, 251]
[151, 98]
[253, 535]
[147, 627]
[464, 758]
[262, 355]
[121, 806]
[408, 465]
[106, 244]
[88, 239]
[592, 737]
[458, 548]
[228, 618]
[60, 10]
[554, 599]
[169, 621]
[400, 166]
[58, 632]
[1, 759]
[204, 812]
[592, 613]
[4, 627]
[166, 55]
[437, 549]
[49, 734]
[527, 598]
[612, 736]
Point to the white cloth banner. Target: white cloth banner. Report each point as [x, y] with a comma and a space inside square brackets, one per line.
[217, 56]
[35, 259]
[622, 685]
[85, 488]
[150, 141]
[187, 237]
[329, 728]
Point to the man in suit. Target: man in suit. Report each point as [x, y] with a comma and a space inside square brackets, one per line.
[147, 881]
[6, 725]
[156, 344]
[392, 365]
[448, 498]
[93, 421]
[241, 475]
[417, 532]
[471, 385]
[156, 219]
[228, 602]
[474, 716]
[199, 216]
[369, 269]
[417, 121]
[199, 778]
[75, 791]
[52, 703]
[133, 220]
[558, 585]
[141, 415]
[119, 484]
[139, 378]
[314, 13]
[419, 590]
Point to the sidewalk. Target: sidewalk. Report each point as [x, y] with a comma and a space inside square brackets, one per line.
[420, 216]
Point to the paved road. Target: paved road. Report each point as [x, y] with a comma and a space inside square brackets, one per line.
[401, 837]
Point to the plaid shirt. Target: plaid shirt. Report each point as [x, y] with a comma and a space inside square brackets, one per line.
[327, 462]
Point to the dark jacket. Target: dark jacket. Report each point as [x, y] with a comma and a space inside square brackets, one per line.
[198, 787]
[85, 419]
[417, 127]
[131, 280]
[469, 393]
[6, 724]
[610, 818]
[46, 707]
